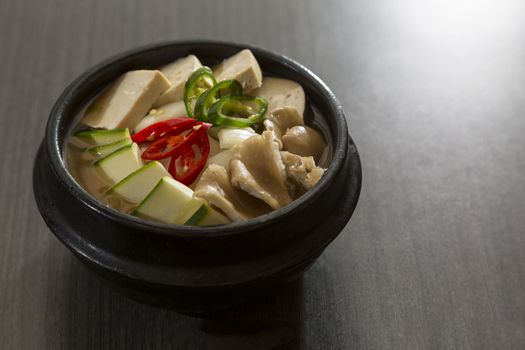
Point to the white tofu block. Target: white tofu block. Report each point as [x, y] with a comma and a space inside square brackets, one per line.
[281, 93]
[242, 67]
[127, 100]
[119, 164]
[177, 73]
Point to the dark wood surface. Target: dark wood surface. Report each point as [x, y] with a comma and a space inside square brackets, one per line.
[434, 257]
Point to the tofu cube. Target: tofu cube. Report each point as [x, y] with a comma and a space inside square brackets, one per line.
[177, 73]
[127, 101]
[242, 67]
[281, 93]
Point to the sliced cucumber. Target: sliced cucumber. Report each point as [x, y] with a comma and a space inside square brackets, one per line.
[120, 163]
[165, 202]
[136, 186]
[189, 210]
[206, 216]
[104, 150]
[196, 217]
[93, 138]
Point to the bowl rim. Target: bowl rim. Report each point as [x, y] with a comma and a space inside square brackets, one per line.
[53, 146]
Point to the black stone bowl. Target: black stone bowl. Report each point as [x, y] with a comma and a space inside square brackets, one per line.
[196, 269]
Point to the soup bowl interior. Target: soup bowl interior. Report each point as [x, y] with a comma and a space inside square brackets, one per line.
[152, 258]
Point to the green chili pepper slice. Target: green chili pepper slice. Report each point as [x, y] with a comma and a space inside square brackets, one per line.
[210, 96]
[237, 111]
[198, 82]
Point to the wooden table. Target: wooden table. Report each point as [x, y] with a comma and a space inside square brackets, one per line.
[434, 257]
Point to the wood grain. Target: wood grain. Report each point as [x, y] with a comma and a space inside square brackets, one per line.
[434, 257]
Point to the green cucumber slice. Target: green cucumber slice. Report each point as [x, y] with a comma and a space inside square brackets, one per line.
[104, 150]
[93, 138]
[119, 164]
[189, 210]
[197, 216]
[136, 186]
[206, 216]
[165, 202]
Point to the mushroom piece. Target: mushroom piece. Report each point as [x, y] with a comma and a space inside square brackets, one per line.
[273, 129]
[280, 120]
[303, 141]
[302, 173]
[215, 187]
[257, 168]
[286, 118]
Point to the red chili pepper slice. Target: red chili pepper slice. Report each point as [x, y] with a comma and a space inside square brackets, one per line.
[152, 132]
[190, 167]
[174, 141]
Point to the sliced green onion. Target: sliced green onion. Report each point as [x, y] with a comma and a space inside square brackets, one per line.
[198, 82]
[238, 111]
[209, 97]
